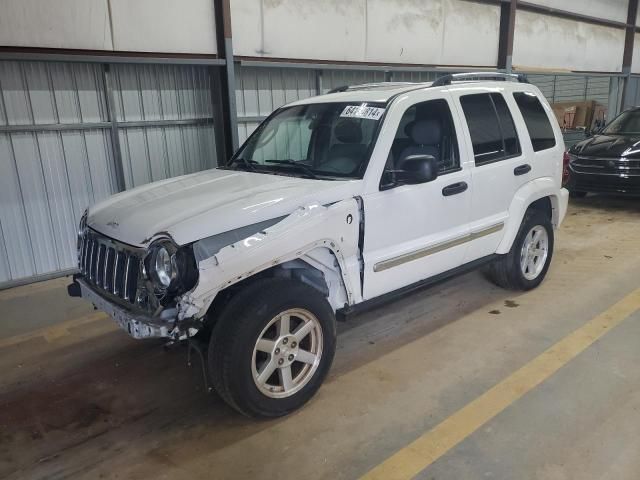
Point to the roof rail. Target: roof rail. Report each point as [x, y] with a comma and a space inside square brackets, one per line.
[365, 86]
[342, 88]
[478, 76]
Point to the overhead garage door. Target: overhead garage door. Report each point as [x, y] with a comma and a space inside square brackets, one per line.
[58, 154]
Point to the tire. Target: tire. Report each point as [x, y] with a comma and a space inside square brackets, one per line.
[237, 360]
[508, 271]
[577, 194]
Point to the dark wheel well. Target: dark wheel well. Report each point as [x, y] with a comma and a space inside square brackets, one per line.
[297, 270]
[543, 205]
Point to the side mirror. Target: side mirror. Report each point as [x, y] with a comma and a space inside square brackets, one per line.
[417, 169]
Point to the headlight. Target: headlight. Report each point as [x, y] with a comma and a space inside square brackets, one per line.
[171, 268]
[164, 266]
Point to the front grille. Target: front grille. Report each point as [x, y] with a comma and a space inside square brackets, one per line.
[110, 266]
[607, 166]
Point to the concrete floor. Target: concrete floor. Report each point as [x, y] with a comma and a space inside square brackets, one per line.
[79, 399]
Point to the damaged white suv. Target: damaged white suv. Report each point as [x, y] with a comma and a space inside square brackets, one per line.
[335, 203]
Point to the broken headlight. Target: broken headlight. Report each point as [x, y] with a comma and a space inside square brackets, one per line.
[171, 269]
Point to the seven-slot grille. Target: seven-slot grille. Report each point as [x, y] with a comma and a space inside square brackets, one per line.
[109, 265]
[616, 166]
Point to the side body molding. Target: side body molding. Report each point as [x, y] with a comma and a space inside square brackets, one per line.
[333, 228]
[525, 196]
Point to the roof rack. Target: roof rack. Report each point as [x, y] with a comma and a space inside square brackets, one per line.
[365, 86]
[479, 76]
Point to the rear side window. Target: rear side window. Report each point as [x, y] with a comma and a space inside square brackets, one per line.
[537, 121]
[493, 133]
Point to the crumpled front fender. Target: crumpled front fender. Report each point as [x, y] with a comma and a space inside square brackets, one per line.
[335, 227]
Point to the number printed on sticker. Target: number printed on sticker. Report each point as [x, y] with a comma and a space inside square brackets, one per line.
[362, 111]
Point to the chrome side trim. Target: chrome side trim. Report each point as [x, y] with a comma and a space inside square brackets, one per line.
[438, 247]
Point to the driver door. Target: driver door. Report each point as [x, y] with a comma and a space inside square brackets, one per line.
[413, 232]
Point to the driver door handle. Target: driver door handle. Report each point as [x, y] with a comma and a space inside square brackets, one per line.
[454, 188]
[522, 169]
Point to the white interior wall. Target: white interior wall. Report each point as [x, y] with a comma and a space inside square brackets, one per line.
[559, 44]
[433, 32]
[606, 9]
[400, 31]
[55, 24]
[170, 26]
[166, 26]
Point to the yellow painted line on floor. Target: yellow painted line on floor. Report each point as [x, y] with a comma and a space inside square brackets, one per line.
[54, 332]
[419, 454]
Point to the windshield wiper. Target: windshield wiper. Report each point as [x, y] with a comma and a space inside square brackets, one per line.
[248, 164]
[293, 163]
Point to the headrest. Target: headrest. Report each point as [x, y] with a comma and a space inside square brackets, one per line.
[348, 131]
[426, 132]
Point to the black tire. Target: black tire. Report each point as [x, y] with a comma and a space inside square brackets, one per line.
[506, 272]
[577, 194]
[242, 321]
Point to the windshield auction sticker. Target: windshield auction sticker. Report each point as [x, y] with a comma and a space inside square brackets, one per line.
[362, 111]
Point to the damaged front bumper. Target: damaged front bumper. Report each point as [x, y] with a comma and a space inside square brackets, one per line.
[137, 325]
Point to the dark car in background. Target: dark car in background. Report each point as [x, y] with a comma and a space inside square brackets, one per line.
[608, 161]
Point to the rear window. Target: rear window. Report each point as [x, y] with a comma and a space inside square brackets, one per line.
[537, 121]
[493, 133]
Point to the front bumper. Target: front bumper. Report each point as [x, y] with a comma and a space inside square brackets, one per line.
[603, 183]
[137, 325]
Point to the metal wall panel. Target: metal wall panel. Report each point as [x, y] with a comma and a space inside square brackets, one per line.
[261, 90]
[337, 78]
[572, 88]
[632, 93]
[157, 94]
[57, 156]
[48, 176]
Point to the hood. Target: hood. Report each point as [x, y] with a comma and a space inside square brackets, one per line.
[202, 204]
[614, 146]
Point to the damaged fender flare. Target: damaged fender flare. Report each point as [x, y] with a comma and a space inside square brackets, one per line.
[307, 228]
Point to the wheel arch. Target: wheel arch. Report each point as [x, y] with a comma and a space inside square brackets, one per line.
[540, 194]
[316, 244]
[318, 268]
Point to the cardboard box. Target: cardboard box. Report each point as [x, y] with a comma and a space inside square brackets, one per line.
[574, 114]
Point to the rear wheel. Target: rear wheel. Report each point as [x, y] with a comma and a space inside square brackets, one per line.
[272, 347]
[526, 264]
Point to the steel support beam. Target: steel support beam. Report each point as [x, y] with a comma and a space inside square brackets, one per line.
[627, 55]
[111, 118]
[94, 56]
[226, 81]
[505, 37]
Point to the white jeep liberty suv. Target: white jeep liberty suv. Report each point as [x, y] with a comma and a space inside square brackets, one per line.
[334, 203]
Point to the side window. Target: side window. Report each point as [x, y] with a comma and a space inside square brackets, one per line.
[425, 128]
[493, 133]
[537, 121]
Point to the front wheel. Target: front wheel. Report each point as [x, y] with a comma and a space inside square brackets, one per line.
[526, 264]
[272, 347]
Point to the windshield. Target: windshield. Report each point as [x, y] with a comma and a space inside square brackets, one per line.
[314, 140]
[627, 123]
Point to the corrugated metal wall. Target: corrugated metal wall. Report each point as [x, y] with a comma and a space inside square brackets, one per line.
[57, 155]
[260, 90]
[165, 121]
[572, 88]
[632, 94]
